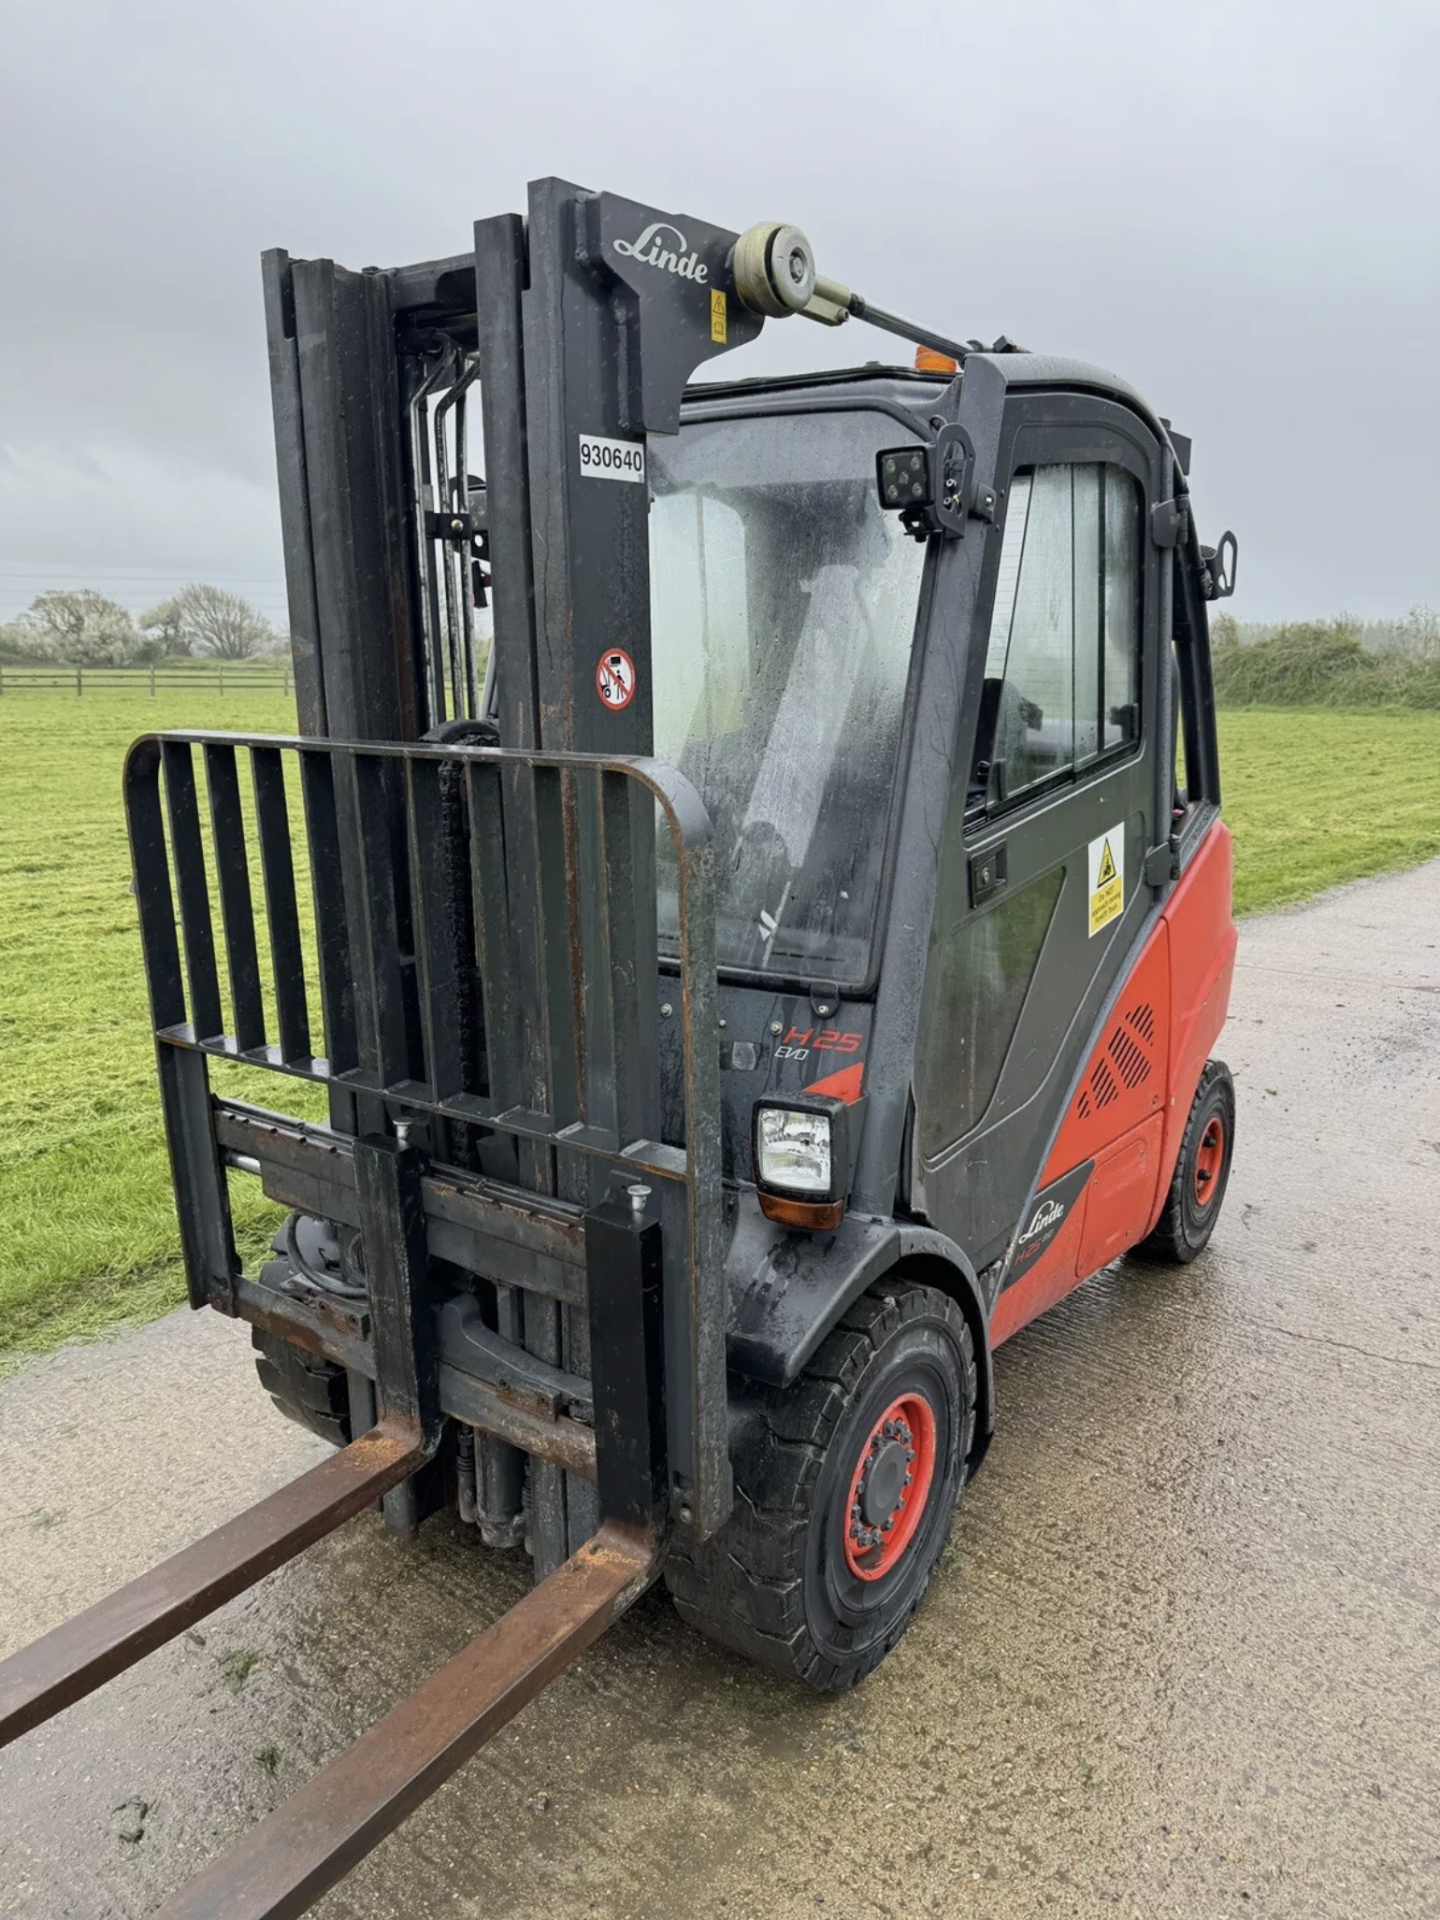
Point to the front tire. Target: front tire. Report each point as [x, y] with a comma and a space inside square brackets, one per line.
[1202, 1171]
[845, 1487]
[313, 1392]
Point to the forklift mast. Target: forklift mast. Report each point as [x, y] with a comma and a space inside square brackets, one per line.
[579, 328]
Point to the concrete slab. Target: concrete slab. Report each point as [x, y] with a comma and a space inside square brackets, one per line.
[1181, 1661]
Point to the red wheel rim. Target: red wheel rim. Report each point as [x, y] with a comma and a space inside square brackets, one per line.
[1209, 1158]
[889, 1487]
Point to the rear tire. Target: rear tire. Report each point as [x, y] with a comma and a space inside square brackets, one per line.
[1202, 1171]
[306, 1389]
[830, 1547]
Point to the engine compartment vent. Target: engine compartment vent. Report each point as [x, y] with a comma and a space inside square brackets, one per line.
[1102, 1085]
[1125, 1061]
[1132, 1062]
[1142, 1019]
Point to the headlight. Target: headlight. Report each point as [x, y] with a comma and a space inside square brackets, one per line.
[803, 1152]
[794, 1151]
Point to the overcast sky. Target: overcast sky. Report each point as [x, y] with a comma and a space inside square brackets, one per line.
[1237, 206]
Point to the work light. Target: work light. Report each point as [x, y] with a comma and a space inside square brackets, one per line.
[904, 475]
[933, 488]
[802, 1159]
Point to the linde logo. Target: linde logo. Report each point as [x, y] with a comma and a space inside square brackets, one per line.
[1046, 1216]
[653, 250]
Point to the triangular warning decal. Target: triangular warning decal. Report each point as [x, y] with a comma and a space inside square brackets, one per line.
[1105, 864]
[844, 1085]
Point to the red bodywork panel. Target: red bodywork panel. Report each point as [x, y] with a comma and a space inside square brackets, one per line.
[844, 1085]
[1129, 1113]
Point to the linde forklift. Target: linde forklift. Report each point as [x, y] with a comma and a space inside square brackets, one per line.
[781, 966]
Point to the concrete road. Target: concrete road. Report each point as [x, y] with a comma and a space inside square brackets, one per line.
[1182, 1658]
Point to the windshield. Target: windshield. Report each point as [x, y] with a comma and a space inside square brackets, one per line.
[783, 608]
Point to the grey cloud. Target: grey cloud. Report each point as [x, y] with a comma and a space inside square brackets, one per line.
[1233, 205]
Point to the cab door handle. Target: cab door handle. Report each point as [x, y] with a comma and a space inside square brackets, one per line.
[989, 872]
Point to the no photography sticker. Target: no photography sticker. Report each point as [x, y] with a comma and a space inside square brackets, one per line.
[615, 679]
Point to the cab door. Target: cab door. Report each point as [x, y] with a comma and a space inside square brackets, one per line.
[1042, 890]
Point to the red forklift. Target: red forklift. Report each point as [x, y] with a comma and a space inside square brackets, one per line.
[751, 859]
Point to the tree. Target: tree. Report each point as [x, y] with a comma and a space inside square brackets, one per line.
[82, 628]
[1421, 628]
[165, 628]
[210, 620]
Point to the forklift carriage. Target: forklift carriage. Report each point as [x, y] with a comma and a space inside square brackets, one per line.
[724, 1041]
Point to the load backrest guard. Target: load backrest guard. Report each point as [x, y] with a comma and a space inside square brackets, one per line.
[391, 952]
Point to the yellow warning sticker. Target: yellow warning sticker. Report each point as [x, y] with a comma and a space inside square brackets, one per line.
[1107, 878]
[718, 318]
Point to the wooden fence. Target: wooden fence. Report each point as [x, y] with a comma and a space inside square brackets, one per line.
[163, 677]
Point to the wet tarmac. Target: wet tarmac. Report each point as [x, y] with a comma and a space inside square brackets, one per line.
[1182, 1659]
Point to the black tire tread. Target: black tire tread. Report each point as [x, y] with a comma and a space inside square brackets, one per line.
[1168, 1240]
[744, 1587]
[313, 1392]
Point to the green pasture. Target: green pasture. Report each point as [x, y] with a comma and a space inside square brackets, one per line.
[87, 1235]
[87, 1231]
[1315, 797]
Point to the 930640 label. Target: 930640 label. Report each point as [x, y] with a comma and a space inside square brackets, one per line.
[603, 459]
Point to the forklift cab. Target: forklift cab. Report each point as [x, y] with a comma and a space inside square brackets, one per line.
[972, 736]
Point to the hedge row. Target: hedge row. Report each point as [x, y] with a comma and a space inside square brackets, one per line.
[1320, 664]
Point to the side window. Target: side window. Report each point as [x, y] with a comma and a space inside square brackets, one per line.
[986, 966]
[1181, 752]
[1062, 667]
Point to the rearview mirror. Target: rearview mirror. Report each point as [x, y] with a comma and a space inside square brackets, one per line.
[1220, 567]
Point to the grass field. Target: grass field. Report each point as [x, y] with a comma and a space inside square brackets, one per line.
[87, 1230]
[87, 1234]
[1316, 797]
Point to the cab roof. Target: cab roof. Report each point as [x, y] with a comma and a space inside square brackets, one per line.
[902, 386]
[875, 380]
